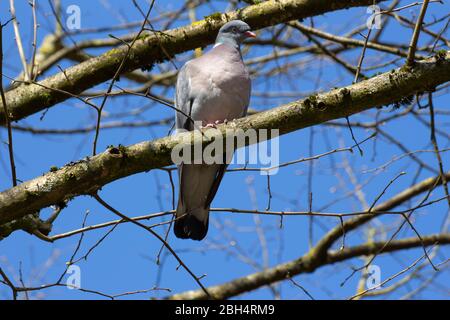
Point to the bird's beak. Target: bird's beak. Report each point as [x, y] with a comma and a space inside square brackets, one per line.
[250, 34]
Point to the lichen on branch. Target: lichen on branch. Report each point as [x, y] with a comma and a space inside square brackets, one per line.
[88, 175]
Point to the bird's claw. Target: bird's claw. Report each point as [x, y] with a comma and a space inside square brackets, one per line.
[214, 125]
[210, 125]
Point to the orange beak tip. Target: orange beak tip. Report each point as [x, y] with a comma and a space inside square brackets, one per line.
[250, 34]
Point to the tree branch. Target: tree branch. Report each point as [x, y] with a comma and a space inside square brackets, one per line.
[88, 175]
[156, 47]
[305, 264]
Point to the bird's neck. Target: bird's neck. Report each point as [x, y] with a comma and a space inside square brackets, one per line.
[229, 42]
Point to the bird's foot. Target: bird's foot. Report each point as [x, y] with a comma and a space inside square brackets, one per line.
[209, 125]
[214, 124]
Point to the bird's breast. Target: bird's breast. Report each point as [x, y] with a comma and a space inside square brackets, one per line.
[226, 97]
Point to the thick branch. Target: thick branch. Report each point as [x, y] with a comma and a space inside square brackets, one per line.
[305, 264]
[334, 234]
[29, 99]
[90, 174]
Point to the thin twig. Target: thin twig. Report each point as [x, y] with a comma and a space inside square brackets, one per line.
[124, 217]
[436, 147]
[415, 37]
[115, 77]
[19, 41]
[7, 115]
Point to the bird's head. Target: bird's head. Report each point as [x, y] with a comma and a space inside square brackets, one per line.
[234, 32]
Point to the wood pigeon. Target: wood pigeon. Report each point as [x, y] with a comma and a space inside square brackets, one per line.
[212, 88]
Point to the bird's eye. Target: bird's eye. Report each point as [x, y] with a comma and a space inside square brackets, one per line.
[234, 30]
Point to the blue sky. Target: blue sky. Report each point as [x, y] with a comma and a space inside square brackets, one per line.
[125, 261]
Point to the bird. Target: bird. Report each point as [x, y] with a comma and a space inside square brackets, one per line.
[212, 88]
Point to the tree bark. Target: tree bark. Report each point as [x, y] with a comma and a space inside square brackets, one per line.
[88, 175]
[28, 99]
[305, 264]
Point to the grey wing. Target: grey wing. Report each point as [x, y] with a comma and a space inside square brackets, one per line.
[244, 113]
[248, 88]
[183, 100]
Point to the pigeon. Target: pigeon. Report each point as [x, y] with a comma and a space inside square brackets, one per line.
[212, 88]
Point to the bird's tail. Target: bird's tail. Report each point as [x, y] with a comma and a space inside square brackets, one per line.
[191, 224]
[198, 186]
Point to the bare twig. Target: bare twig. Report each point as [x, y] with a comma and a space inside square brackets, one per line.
[7, 117]
[415, 37]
